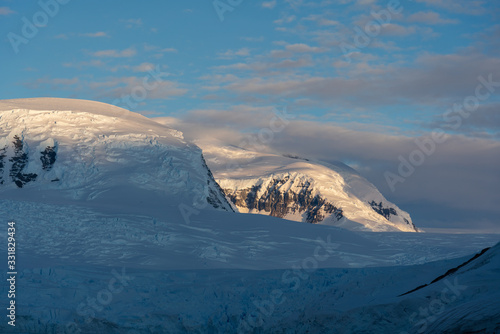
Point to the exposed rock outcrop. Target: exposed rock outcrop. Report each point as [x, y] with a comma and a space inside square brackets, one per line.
[279, 201]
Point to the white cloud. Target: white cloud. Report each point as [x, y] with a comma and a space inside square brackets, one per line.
[158, 49]
[432, 80]
[304, 48]
[243, 52]
[83, 64]
[6, 11]
[127, 53]
[144, 67]
[119, 86]
[285, 19]
[429, 18]
[133, 23]
[321, 20]
[95, 34]
[169, 50]
[458, 6]
[394, 29]
[53, 83]
[269, 4]
[326, 22]
[253, 39]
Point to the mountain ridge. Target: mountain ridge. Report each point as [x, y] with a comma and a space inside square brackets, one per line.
[302, 189]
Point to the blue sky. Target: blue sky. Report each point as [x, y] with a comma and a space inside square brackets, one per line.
[392, 86]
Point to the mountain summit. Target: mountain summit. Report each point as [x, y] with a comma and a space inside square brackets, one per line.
[298, 189]
[59, 150]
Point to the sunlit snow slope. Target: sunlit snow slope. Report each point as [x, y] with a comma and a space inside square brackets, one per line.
[62, 150]
[298, 189]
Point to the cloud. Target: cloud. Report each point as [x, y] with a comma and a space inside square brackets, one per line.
[269, 4]
[132, 23]
[98, 34]
[117, 87]
[461, 176]
[53, 83]
[127, 53]
[304, 48]
[169, 50]
[458, 6]
[144, 67]
[328, 23]
[61, 36]
[253, 39]
[95, 34]
[4, 11]
[292, 64]
[484, 122]
[320, 20]
[83, 64]
[430, 18]
[489, 38]
[113, 87]
[234, 53]
[266, 67]
[159, 51]
[432, 79]
[394, 29]
[285, 19]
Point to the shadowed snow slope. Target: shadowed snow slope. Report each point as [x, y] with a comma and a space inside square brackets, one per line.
[57, 150]
[228, 272]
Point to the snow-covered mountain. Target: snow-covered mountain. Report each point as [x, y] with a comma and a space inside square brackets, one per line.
[102, 246]
[57, 150]
[301, 190]
[75, 151]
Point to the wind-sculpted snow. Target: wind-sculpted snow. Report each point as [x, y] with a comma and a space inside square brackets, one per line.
[60, 149]
[301, 190]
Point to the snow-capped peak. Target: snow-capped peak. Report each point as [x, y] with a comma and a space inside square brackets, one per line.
[97, 153]
[302, 190]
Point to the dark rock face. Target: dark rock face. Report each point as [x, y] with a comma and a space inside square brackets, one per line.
[384, 212]
[280, 202]
[19, 162]
[213, 198]
[3, 154]
[48, 158]
[387, 212]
